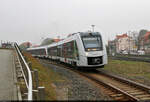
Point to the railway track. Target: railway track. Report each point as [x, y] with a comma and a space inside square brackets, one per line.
[121, 88]
[117, 88]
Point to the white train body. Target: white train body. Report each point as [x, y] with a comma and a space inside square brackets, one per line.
[84, 49]
[38, 51]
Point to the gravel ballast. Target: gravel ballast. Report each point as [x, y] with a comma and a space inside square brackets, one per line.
[75, 87]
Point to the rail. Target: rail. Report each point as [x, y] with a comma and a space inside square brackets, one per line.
[27, 71]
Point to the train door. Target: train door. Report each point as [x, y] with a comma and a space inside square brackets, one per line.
[76, 53]
[64, 51]
[58, 52]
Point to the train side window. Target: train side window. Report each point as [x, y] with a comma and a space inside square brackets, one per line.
[70, 49]
[64, 50]
[67, 49]
[55, 51]
[61, 48]
[49, 51]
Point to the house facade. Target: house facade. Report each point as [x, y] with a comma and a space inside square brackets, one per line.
[146, 42]
[124, 43]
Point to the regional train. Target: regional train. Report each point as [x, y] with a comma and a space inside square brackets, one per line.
[82, 49]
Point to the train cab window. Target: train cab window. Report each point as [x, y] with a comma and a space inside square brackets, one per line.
[92, 42]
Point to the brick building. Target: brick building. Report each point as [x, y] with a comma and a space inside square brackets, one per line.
[146, 42]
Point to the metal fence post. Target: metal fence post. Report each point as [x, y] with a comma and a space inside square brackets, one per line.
[41, 93]
[35, 95]
[36, 78]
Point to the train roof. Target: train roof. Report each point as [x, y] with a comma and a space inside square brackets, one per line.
[67, 39]
[34, 48]
[89, 33]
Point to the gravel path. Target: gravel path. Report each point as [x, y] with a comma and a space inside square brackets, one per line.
[76, 88]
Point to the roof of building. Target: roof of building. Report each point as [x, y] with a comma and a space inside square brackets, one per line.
[26, 43]
[56, 40]
[35, 45]
[121, 36]
[147, 35]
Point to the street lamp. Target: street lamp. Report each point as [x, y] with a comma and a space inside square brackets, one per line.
[93, 27]
[129, 34]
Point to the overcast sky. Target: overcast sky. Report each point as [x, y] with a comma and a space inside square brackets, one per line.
[32, 20]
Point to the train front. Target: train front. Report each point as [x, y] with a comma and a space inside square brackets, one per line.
[93, 51]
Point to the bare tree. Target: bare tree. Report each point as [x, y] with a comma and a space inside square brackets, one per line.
[141, 34]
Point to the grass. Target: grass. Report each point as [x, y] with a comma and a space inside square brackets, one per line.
[46, 77]
[130, 69]
[6, 48]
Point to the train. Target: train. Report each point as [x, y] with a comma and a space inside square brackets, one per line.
[82, 50]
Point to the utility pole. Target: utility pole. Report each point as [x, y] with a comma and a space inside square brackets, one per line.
[134, 41]
[93, 27]
[129, 32]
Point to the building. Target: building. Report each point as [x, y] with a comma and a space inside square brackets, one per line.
[146, 42]
[125, 43]
[7, 45]
[25, 45]
[56, 40]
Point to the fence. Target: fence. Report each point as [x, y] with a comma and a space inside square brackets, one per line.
[26, 72]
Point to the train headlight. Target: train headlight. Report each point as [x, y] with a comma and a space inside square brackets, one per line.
[86, 53]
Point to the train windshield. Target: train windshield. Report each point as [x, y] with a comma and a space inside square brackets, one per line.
[92, 43]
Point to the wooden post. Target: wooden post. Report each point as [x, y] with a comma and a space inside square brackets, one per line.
[35, 95]
[41, 93]
[36, 78]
